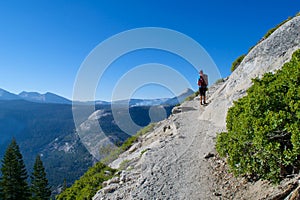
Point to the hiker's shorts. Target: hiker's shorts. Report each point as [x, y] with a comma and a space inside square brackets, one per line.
[202, 91]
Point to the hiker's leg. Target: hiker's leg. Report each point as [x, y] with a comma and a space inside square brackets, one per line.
[204, 96]
[200, 94]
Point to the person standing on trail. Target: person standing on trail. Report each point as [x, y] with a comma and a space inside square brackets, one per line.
[202, 83]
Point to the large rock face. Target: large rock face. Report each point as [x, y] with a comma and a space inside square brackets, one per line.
[268, 56]
[171, 161]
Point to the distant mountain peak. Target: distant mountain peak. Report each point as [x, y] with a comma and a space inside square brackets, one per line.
[32, 96]
[43, 98]
[5, 95]
[187, 91]
[180, 98]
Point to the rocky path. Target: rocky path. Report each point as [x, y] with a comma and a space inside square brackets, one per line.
[173, 162]
[169, 162]
[176, 168]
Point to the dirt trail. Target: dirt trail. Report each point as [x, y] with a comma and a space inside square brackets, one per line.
[173, 165]
[176, 168]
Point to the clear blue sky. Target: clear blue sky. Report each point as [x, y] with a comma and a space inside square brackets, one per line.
[44, 42]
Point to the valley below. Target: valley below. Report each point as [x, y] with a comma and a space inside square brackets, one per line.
[47, 128]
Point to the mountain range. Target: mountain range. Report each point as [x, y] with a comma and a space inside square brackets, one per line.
[43, 124]
[34, 97]
[54, 98]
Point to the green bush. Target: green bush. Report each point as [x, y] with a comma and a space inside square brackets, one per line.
[220, 80]
[130, 141]
[114, 153]
[237, 62]
[275, 28]
[263, 138]
[87, 186]
[144, 151]
[124, 164]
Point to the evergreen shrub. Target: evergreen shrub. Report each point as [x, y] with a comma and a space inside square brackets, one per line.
[87, 186]
[263, 138]
[237, 62]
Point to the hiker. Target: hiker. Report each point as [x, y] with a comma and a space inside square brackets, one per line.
[202, 83]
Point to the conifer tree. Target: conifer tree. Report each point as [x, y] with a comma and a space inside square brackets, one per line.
[39, 183]
[64, 186]
[0, 188]
[13, 182]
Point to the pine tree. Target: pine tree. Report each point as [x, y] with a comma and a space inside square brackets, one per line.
[39, 183]
[0, 188]
[64, 186]
[13, 183]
